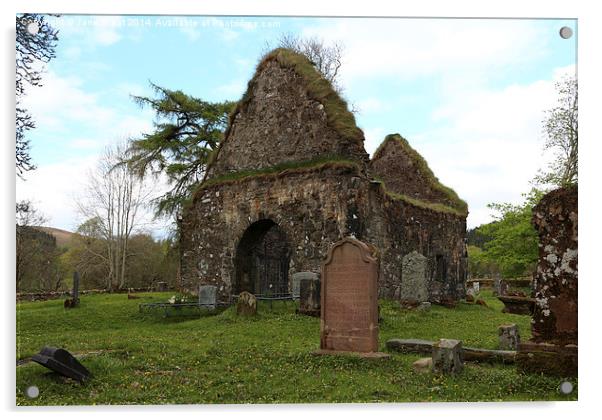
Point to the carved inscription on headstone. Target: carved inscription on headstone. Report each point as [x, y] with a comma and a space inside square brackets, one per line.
[349, 320]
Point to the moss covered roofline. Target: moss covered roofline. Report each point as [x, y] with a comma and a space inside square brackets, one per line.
[287, 168]
[318, 88]
[459, 205]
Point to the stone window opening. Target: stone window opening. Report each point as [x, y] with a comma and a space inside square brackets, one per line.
[440, 268]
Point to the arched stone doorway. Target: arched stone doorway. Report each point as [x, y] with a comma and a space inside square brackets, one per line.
[262, 260]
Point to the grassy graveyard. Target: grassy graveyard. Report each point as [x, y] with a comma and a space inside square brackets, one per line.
[144, 359]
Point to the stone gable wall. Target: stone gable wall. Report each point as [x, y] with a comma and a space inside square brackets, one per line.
[280, 123]
[402, 175]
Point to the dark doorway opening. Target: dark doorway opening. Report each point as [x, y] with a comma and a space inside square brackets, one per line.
[262, 260]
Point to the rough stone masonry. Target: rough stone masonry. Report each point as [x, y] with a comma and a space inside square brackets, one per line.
[553, 347]
[292, 177]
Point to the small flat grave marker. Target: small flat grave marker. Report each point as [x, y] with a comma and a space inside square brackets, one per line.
[309, 302]
[247, 304]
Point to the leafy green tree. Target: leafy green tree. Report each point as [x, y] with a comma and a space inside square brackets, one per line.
[513, 240]
[186, 132]
[37, 256]
[478, 263]
[561, 131]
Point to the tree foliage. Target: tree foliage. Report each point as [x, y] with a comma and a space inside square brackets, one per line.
[147, 261]
[32, 51]
[37, 264]
[561, 129]
[511, 246]
[187, 130]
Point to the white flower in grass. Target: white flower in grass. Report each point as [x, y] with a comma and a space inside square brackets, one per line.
[172, 300]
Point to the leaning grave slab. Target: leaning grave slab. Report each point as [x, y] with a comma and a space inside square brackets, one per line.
[292, 177]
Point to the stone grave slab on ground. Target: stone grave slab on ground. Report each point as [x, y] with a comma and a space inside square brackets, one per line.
[469, 354]
[349, 307]
[62, 362]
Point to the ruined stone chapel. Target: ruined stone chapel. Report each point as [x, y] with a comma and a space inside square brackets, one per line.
[291, 177]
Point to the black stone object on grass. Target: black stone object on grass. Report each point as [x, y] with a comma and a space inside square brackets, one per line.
[62, 362]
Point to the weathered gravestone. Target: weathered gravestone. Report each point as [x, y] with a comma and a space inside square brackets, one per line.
[476, 286]
[74, 300]
[500, 287]
[296, 280]
[309, 302]
[161, 286]
[509, 337]
[447, 356]
[553, 346]
[208, 296]
[414, 286]
[247, 304]
[349, 309]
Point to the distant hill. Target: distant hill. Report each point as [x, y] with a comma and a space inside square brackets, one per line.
[63, 237]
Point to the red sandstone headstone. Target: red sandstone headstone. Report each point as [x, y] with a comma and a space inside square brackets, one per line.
[349, 306]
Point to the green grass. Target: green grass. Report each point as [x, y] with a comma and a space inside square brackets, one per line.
[266, 359]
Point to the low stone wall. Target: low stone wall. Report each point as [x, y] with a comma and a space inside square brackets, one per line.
[41, 296]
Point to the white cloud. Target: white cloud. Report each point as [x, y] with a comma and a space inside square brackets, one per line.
[191, 32]
[62, 100]
[53, 189]
[63, 103]
[371, 105]
[488, 143]
[373, 138]
[91, 31]
[413, 48]
[84, 144]
[105, 30]
[234, 89]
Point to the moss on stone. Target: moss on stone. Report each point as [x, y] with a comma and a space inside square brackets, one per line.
[318, 88]
[459, 206]
[325, 162]
[438, 207]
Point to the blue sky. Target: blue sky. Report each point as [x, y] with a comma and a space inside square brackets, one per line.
[469, 95]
